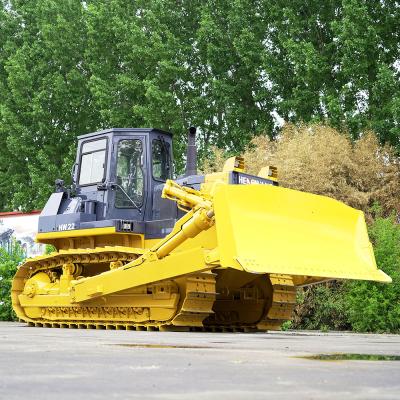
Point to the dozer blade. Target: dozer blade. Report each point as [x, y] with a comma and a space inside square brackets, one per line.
[269, 229]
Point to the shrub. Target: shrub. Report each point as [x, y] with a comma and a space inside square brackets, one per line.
[375, 307]
[322, 307]
[321, 160]
[8, 266]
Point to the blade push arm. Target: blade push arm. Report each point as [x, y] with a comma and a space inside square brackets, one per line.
[200, 217]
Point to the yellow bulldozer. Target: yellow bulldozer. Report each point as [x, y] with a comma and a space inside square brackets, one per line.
[223, 251]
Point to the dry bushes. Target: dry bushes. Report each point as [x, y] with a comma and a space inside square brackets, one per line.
[321, 160]
[214, 160]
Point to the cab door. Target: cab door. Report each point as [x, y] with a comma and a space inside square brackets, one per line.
[127, 199]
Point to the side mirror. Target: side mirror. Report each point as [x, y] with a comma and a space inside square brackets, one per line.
[59, 184]
[73, 170]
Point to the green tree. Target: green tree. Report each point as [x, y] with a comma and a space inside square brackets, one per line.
[8, 29]
[335, 61]
[48, 102]
[228, 67]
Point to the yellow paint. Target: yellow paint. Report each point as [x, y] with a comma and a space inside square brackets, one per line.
[269, 172]
[136, 275]
[269, 229]
[91, 238]
[234, 163]
[76, 233]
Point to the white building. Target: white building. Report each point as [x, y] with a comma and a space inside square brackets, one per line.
[21, 227]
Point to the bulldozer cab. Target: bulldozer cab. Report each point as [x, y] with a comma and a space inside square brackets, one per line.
[116, 175]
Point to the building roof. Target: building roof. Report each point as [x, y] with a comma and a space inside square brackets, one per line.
[9, 214]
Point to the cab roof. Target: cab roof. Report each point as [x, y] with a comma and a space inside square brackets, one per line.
[124, 130]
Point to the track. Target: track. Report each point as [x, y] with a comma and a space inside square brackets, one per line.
[186, 303]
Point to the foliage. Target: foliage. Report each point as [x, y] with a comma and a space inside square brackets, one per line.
[375, 307]
[358, 305]
[214, 161]
[321, 160]
[235, 69]
[49, 248]
[48, 101]
[287, 325]
[322, 307]
[8, 266]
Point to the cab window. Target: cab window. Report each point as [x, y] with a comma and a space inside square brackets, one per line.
[161, 160]
[93, 161]
[129, 192]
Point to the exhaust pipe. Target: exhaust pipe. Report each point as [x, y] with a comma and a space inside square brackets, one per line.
[191, 153]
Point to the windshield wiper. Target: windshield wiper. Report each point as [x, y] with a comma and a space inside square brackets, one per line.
[112, 186]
